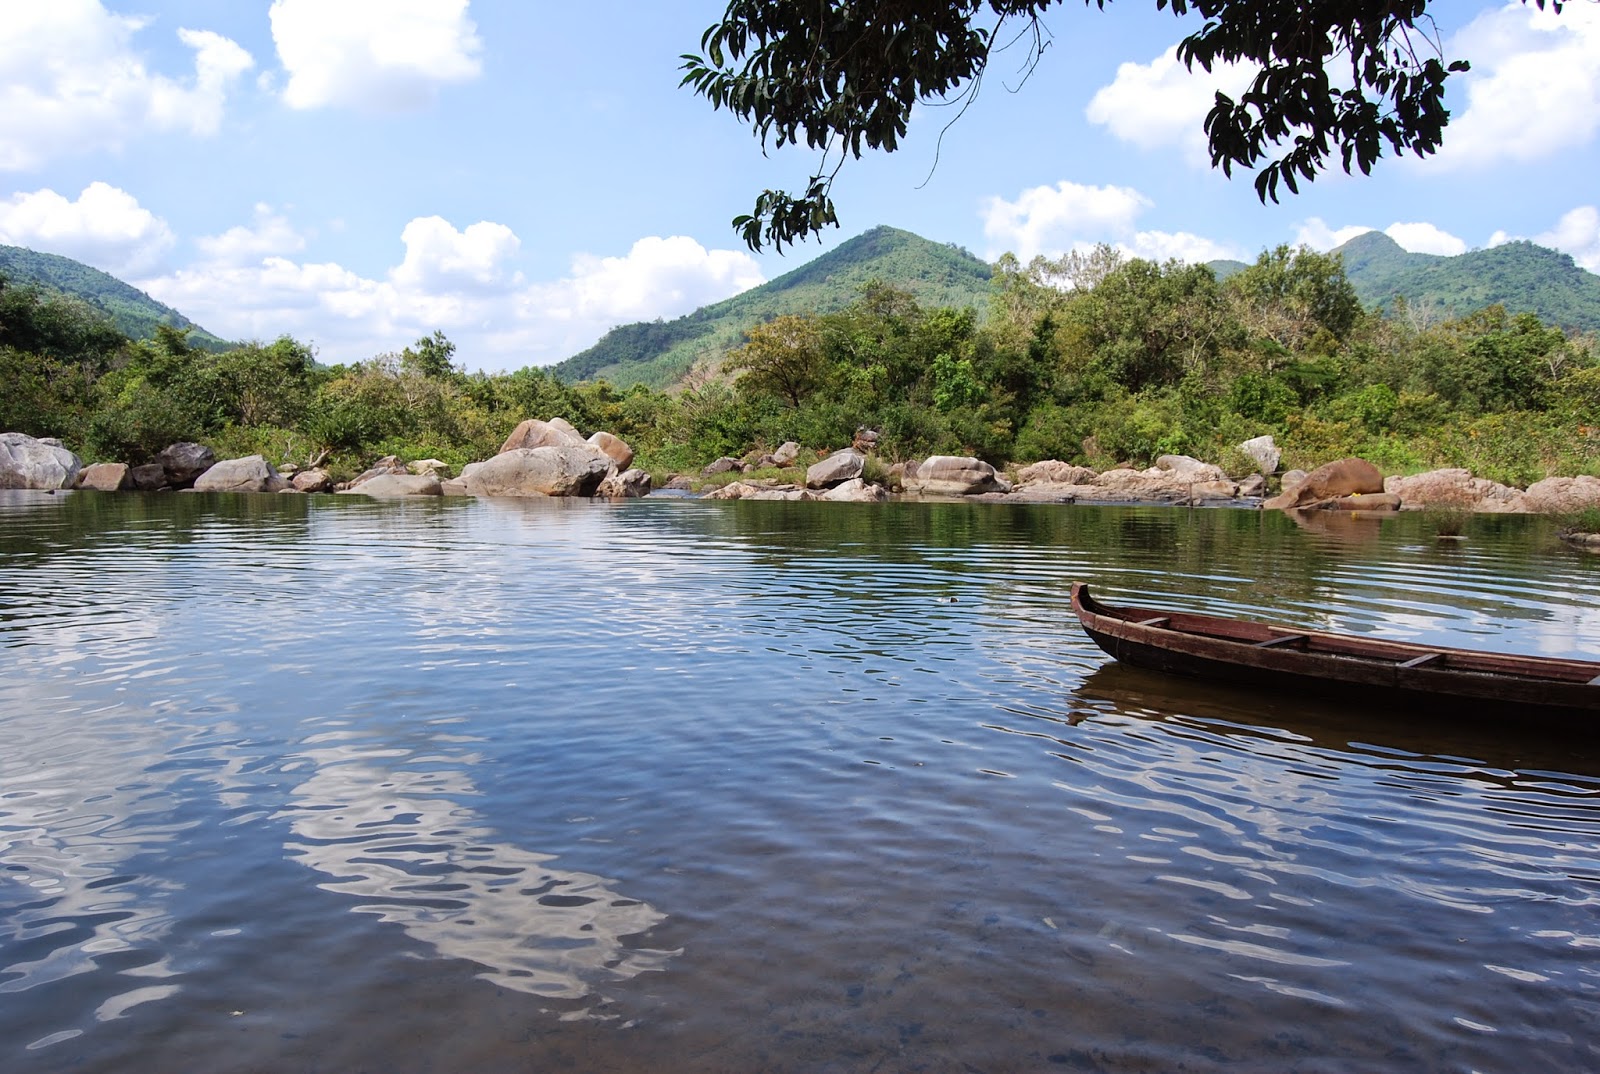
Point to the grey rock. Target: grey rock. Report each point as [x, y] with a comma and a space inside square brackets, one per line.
[249, 474]
[395, 486]
[312, 481]
[1190, 469]
[389, 464]
[185, 461]
[1264, 452]
[1254, 485]
[1055, 472]
[26, 463]
[541, 471]
[787, 453]
[149, 477]
[836, 469]
[953, 475]
[627, 485]
[724, 465]
[856, 491]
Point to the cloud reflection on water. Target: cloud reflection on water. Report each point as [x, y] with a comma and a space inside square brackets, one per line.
[400, 839]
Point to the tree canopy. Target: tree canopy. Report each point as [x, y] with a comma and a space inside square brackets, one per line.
[1346, 78]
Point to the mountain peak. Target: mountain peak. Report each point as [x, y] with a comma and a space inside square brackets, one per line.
[658, 354]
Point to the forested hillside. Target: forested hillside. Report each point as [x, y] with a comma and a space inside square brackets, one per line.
[134, 313]
[659, 353]
[1521, 276]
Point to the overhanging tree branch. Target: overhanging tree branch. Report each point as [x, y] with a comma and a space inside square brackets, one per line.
[845, 75]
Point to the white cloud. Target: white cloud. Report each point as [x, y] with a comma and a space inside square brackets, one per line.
[1425, 239]
[658, 278]
[105, 227]
[458, 281]
[438, 256]
[1419, 238]
[1163, 103]
[1069, 216]
[1047, 219]
[240, 245]
[373, 55]
[1576, 233]
[1534, 88]
[71, 82]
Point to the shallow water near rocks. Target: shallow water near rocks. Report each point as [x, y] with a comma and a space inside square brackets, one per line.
[322, 784]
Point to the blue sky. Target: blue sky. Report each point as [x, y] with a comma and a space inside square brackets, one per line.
[524, 176]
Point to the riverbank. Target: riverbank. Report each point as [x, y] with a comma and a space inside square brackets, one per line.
[551, 458]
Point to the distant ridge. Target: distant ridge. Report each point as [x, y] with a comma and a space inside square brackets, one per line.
[134, 313]
[659, 353]
[1521, 276]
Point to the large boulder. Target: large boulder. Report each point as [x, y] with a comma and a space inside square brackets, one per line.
[786, 454]
[148, 478]
[26, 463]
[627, 485]
[394, 486]
[1187, 468]
[1055, 472]
[1347, 477]
[1155, 485]
[724, 465]
[185, 461]
[953, 475]
[249, 474]
[105, 477]
[1264, 452]
[1454, 488]
[856, 491]
[613, 447]
[1561, 495]
[569, 470]
[534, 433]
[312, 480]
[836, 469]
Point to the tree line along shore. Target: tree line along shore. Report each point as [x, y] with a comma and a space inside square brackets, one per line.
[1093, 360]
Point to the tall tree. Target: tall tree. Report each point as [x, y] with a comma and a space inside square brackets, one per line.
[1354, 78]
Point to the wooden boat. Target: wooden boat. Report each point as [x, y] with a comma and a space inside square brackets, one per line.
[1462, 681]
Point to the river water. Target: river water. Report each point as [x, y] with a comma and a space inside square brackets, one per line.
[326, 784]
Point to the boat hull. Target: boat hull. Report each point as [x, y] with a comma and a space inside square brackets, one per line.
[1463, 682]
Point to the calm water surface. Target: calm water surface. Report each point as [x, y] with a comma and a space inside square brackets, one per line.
[322, 784]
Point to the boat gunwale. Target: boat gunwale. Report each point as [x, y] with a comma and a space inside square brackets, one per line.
[1220, 645]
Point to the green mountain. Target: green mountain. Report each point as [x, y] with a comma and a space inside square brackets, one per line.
[1520, 276]
[658, 354]
[134, 313]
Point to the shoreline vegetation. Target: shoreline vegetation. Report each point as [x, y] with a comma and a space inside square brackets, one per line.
[1123, 375]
